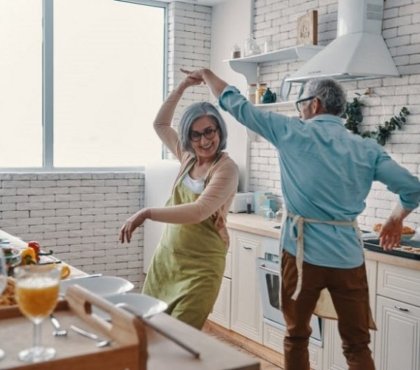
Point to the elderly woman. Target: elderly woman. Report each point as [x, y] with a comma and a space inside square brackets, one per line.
[187, 268]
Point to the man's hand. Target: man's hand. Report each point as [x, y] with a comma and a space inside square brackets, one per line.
[189, 81]
[196, 75]
[206, 76]
[390, 234]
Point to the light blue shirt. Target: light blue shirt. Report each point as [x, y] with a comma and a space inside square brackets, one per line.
[326, 174]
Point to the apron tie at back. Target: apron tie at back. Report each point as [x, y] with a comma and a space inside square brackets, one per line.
[324, 307]
[298, 222]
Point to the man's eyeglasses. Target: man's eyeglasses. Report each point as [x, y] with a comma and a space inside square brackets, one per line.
[208, 133]
[300, 101]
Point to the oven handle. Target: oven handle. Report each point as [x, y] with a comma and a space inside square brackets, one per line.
[263, 267]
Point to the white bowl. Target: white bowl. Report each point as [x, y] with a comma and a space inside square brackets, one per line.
[100, 285]
[140, 304]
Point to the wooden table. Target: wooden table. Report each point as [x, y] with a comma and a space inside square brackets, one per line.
[163, 354]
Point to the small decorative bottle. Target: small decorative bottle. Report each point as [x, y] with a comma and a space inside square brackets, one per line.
[236, 51]
[260, 92]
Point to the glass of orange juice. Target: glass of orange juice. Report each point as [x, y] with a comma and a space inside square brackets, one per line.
[36, 292]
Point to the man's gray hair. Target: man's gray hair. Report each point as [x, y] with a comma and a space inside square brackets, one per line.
[329, 92]
[194, 112]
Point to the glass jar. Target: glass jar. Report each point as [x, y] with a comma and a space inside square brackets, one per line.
[252, 89]
[251, 46]
[262, 87]
[236, 51]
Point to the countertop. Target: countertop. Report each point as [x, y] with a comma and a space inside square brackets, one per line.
[258, 225]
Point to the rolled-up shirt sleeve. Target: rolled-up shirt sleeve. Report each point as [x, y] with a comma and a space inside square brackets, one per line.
[398, 180]
[272, 127]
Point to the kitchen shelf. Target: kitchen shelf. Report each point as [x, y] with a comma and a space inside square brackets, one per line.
[281, 104]
[248, 65]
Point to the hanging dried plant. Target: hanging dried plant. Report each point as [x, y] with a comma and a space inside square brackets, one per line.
[354, 117]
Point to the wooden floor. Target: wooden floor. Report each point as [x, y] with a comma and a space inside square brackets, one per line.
[265, 365]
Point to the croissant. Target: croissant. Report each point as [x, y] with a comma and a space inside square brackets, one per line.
[405, 229]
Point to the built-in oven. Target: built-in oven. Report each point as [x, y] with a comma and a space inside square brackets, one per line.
[269, 279]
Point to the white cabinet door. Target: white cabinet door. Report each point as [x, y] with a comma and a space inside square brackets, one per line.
[221, 309]
[333, 353]
[398, 340]
[247, 316]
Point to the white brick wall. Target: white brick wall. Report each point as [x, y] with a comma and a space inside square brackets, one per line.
[276, 20]
[189, 48]
[78, 216]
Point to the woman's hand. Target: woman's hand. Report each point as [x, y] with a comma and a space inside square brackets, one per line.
[133, 223]
[207, 77]
[189, 81]
[196, 75]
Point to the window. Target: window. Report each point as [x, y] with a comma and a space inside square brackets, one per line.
[103, 78]
[21, 83]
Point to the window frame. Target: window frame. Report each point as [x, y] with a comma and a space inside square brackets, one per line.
[48, 92]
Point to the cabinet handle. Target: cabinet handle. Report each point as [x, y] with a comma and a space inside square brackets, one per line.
[401, 309]
[263, 267]
[247, 248]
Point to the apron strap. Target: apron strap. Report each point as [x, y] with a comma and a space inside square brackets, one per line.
[299, 222]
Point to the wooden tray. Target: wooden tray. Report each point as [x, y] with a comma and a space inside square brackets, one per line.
[128, 350]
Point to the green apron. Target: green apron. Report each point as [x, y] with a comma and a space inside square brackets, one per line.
[187, 268]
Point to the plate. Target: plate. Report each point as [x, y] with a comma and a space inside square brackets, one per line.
[142, 304]
[285, 89]
[100, 285]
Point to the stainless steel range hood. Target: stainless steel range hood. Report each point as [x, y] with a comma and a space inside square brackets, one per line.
[358, 52]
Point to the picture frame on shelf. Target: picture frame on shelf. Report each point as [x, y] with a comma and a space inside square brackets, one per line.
[307, 28]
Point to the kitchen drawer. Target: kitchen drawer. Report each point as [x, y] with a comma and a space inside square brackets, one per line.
[273, 337]
[399, 283]
[270, 245]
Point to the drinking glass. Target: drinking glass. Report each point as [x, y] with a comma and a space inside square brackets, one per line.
[3, 283]
[37, 290]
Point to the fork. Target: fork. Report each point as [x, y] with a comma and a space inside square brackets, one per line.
[58, 330]
[99, 341]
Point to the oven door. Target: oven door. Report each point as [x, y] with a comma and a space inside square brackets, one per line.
[268, 272]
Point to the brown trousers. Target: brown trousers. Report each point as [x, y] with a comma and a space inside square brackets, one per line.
[350, 296]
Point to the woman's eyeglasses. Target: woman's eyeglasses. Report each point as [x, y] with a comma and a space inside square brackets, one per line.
[299, 102]
[208, 133]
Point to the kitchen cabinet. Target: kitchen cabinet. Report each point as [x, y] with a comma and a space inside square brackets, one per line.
[398, 318]
[222, 307]
[274, 336]
[394, 286]
[398, 346]
[247, 318]
[333, 352]
[248, 65]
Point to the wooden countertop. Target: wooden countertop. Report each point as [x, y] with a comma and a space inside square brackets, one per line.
[258, 225]
[162, 353]
[254, 224]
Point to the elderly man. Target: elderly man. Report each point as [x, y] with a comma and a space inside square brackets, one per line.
[326, 175]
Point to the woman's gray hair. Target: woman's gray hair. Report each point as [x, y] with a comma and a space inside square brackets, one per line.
[194, 112]
[329, 92]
